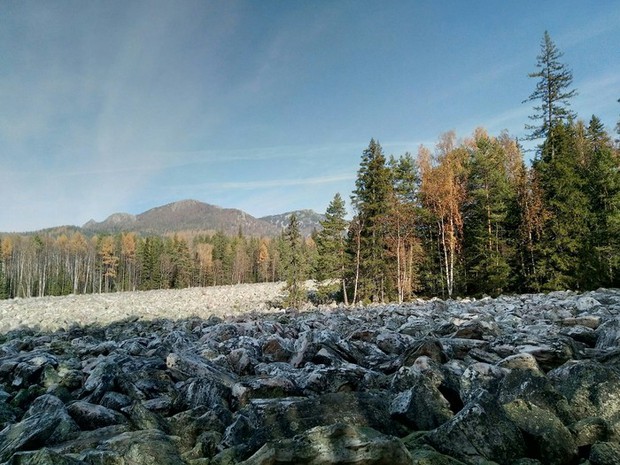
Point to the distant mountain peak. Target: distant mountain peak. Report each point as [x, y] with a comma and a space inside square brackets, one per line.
[184, 215]
[192, 215]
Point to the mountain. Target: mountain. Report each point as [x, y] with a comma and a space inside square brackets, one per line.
[186, 215]
[192, 215]
[309, 220]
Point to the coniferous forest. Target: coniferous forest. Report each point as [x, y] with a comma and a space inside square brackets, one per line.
[469, 216]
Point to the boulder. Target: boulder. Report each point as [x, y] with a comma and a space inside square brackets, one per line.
[203, 391]
[537, 390]
[187, 365]
[266, 420]
[589, 431]
[481, 431]
[191, 424]
[334, 444]
[421, 407]
[480, 376]
[144, 447]
[591, 390]
[45, 423]
[43, 457]
[545, 436]
[605, 453]
[608, 334]
[92, 416]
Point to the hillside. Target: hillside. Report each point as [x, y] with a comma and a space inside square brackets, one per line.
[309, 220]
[192, 215]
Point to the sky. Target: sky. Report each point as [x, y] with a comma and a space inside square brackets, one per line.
[266, 106]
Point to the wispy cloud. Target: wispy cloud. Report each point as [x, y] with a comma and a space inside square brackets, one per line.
[272, 183]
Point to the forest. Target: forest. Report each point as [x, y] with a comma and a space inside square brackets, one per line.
[469, 216]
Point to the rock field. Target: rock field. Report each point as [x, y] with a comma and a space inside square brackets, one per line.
[219, 376]
[51, 313]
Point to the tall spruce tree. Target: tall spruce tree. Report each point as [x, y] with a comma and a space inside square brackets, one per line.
[552, 92]
[331, 245]
[294, 264]
[371, 201]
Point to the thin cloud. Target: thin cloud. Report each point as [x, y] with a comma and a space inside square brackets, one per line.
[272, 183]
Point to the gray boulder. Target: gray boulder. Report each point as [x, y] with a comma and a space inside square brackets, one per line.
[481, 431]
[45, 423]
[334, 444]
[591, 390]
[546, 437]
[422, 407]
[92, 416]
[43, 457]
[144, 447]
[605, 453]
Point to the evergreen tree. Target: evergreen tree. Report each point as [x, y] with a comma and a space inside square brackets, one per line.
[295, 266]
[489, 243]
[566, 236]
[371, 201]
[603, 182]
[222, 258]
[552, 92]
[401, 223]
[618, 130]
[181, 263]
[149, 253]
[330, 245]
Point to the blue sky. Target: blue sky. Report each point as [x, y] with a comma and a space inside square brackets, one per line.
[263, 105]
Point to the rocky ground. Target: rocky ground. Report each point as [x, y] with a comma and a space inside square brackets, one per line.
[52, 313]
[189, 377]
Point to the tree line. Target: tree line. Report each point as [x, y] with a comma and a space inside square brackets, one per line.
[72, 263]
[466, 217]
[470, 217]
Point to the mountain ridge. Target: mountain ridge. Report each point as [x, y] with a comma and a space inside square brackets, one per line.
[195, 215]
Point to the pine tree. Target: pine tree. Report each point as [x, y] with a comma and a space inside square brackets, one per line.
[371, 201]
[552, 92]
[330, 245]
[295, 266]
